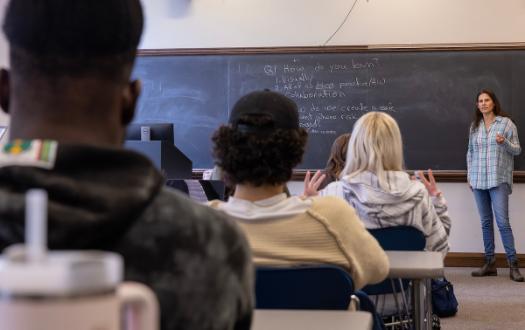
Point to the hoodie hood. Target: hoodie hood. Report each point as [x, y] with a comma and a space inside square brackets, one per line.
[95, 195]
[401, 195]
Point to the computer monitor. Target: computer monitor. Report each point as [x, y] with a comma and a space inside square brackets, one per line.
[158, 131]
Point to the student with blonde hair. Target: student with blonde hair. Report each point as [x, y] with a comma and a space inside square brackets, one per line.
[375, 147]
[383, 194]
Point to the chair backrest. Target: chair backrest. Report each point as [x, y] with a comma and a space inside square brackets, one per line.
[399, 238]
[306, 287]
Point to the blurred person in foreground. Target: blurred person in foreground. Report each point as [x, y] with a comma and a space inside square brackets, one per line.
[70, 98]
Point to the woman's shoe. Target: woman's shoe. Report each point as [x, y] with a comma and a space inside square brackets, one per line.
[488, 269]
[515, 274]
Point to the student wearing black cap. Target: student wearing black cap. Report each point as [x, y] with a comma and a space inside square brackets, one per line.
[257, 152]
[70, 98]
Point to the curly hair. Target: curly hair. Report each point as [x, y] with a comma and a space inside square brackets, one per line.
[260, 154]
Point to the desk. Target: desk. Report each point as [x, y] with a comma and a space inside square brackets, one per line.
[420, 267]
[272, 319]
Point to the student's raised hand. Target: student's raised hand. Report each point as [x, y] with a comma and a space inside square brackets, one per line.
[311, 185]
[429, 183]
[500, 138]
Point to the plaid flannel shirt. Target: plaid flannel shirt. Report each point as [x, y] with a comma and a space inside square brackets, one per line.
[490, 164]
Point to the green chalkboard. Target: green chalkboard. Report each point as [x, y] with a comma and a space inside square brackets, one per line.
[430, 92]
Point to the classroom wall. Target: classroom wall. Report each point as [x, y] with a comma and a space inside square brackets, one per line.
[4, 119]
[266, 23]
[241, 23]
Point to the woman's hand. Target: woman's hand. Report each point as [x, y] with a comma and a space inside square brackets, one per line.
[312, 185]
[429, 183]
[500, 138]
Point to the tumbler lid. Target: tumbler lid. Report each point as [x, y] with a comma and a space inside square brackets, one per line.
[60, 273]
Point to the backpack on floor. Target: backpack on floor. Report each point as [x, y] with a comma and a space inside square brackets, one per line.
[444, 302]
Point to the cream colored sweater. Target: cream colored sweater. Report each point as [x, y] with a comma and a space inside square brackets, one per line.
[328, 232]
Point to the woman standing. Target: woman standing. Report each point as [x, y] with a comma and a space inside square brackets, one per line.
[493, 143]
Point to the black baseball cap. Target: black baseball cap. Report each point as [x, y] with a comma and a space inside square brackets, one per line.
[281, 111]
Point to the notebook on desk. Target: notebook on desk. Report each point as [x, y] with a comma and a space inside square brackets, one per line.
[3, 129]
[199, 190]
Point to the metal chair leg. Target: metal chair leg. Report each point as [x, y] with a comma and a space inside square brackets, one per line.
[428, 303]
[418, 303]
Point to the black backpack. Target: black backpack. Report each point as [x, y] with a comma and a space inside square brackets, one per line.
[444, 302]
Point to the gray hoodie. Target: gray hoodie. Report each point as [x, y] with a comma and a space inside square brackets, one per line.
[405, 202]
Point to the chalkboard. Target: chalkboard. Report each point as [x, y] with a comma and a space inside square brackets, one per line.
[431, 93]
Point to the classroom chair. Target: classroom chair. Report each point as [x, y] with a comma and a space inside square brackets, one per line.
[398, 238]
[305, 287]
[319, 287]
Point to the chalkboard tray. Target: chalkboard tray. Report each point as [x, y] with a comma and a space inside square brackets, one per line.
[430, 91]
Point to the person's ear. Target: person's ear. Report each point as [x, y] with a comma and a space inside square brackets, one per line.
[130, 96]
[4, 90]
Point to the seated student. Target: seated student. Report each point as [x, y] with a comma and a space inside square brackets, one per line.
[70, 99]
[374, 183]
[257, 152]
[336, 160]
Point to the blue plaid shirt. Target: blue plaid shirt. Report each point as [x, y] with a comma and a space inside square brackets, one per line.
[490, 164]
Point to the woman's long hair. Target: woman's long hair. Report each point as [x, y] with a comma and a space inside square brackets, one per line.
[375, 146]
[478, 116]
[336, 161]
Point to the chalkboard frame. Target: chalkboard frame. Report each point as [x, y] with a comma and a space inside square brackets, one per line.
[441, 176]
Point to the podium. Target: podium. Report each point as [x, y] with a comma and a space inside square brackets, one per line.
[166, 157]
